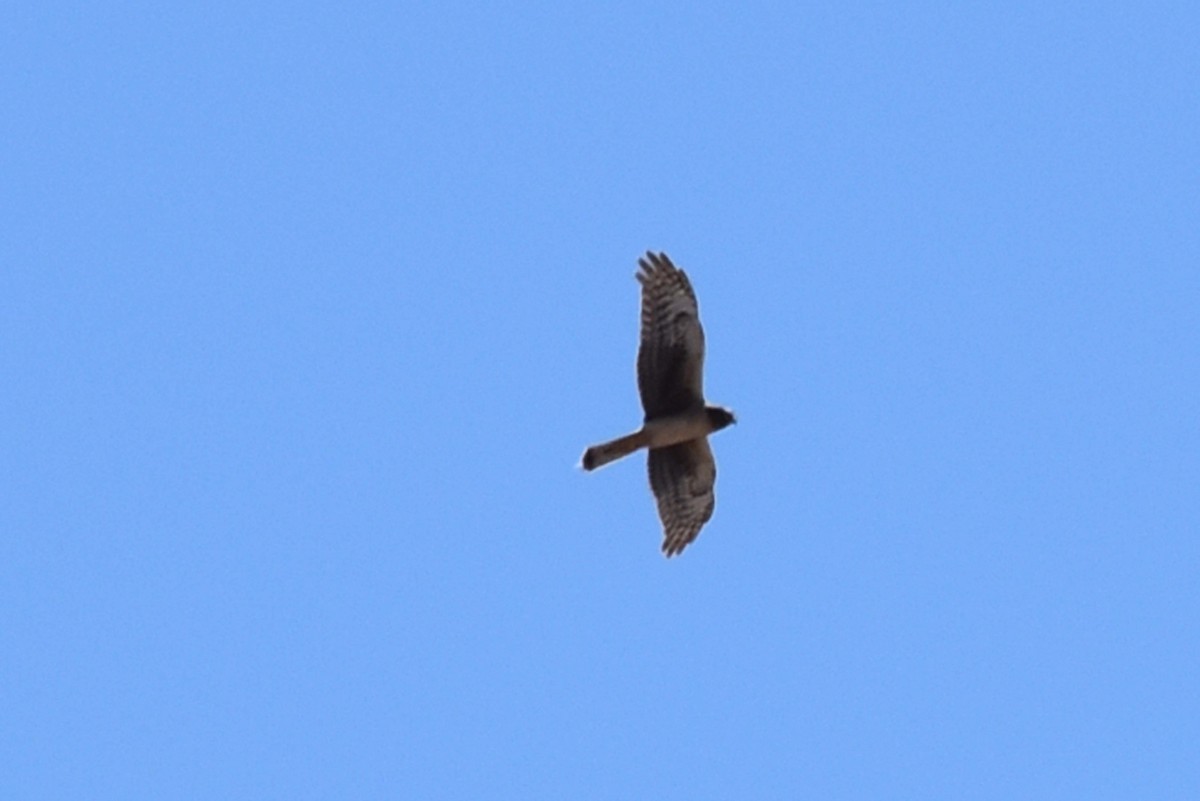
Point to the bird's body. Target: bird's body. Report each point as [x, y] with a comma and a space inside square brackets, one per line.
[670, 369]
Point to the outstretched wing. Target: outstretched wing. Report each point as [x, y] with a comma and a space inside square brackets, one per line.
[670, 364]
[682, 477]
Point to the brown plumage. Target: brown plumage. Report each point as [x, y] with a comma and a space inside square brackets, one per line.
[670, 370]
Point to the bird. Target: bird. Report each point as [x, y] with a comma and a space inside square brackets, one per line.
[677, 422]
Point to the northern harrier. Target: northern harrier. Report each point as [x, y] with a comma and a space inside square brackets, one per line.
[670, 372]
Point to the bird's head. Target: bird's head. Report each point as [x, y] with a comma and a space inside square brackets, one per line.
[719, 417]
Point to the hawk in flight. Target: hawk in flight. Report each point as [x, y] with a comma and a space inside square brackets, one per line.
[670, 373]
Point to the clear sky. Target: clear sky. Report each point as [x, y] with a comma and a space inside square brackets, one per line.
[307, 312]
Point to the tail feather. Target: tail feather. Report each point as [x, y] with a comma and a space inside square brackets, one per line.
[599, 455]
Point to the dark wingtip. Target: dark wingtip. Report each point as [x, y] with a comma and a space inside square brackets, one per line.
[653, 261]
[589, 460]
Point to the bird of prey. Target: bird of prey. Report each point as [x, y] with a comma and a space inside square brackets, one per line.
[670, 373]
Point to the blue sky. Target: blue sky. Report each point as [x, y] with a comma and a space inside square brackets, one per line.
[307, 313]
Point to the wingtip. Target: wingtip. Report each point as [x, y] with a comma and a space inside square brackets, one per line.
[670, 549]
[652, 262]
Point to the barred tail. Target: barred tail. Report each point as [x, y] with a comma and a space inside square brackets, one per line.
[600, 455]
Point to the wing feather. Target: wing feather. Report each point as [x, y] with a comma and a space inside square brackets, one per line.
[683, 478]
[671, 353]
